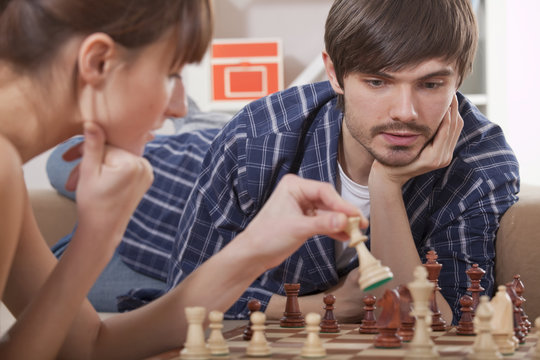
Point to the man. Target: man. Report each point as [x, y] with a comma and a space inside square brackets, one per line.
[390, 132]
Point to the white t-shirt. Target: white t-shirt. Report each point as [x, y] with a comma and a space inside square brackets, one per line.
[358, 195]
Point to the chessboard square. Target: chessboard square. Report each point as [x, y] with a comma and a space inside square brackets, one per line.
[277, 335]
[455, 351]
[357, 337]
[347, 346]
[291, 339]
[374, 353]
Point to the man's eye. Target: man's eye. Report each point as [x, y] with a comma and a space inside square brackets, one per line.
[175, 76]
[432, 85]
[375, 83]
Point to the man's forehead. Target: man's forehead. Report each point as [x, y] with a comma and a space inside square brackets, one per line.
[422, 69]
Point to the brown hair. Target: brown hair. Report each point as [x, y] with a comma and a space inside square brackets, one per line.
[373, 35]
[32, 31]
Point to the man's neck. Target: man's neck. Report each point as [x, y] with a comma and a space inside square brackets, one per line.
[354, 159]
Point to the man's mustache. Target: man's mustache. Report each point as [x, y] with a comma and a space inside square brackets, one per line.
[399, 127]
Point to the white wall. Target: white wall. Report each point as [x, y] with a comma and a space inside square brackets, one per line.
[522, 125]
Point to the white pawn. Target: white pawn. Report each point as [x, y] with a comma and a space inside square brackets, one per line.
[421, 289]
[216, 342]
[536, 353]
[372, 272]
[502, 322]
[258, 346]
[484, 347]
[195, 346]
[313, 347]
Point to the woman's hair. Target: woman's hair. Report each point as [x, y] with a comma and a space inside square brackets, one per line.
[373, 35]
[32, 31]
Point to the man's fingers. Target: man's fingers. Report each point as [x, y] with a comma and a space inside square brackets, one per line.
[94, 148]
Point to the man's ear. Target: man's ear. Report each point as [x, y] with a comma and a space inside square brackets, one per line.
[95, 56]
[331, 73]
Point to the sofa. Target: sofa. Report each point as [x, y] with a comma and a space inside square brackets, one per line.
[518, 238]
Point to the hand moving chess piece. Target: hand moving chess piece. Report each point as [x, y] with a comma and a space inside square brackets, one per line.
[369, 323]
[313, 347]
[389, 321]
[329, 324]
[502, 322]
[434, 270]
[484, 347]
[253, 305]
[195, 346]
[292, 317]
[421, 289]
[216, 342]
[372, 273]
[258, 346]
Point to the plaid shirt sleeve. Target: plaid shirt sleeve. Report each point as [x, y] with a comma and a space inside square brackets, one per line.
[456, 211]
[216, 211]
[240, 170]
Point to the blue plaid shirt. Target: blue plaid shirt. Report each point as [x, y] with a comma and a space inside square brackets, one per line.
[454, 210]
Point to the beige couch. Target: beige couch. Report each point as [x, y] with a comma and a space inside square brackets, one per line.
[518, 239]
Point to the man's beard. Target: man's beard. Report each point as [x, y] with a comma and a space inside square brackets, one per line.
[396, 150]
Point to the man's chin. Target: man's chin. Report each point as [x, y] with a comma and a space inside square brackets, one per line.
[397, 159]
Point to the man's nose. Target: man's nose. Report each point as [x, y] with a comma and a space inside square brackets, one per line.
[403, 105]
[177, 106]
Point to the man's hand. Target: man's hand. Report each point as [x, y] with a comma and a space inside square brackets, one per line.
[297, 210]
[437, 154]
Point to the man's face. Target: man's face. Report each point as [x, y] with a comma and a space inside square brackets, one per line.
[391, 116]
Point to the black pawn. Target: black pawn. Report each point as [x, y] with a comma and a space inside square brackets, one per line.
[329, 324]
[466, 325]
[253, 306]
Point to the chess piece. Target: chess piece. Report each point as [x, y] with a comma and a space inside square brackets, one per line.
[475, 274]
[434, 269]
[292, 317]
[258, 346]
[502, 322]
[369, 323]
[313, 347]
[253, 305]
[329, 324]
[406, 329]
[519, 287]
[484, 347]
[421, 289]
[389, 321]
[536, 353]
[195, 346]
[372, 273]
[518, 323]
[466, 325]
[216, 342]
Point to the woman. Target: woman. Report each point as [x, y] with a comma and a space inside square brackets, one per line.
[110, 69]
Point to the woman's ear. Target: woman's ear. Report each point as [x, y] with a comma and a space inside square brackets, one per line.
[96, 54]
[331, 73]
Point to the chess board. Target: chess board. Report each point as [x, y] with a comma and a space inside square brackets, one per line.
[348, 344]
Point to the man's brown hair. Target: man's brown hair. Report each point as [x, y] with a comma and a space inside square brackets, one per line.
[370, 36]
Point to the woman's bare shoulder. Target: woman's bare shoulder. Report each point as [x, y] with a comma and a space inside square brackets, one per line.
[10, 164]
